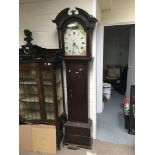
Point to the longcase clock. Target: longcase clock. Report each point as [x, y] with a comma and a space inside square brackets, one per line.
[75, 42]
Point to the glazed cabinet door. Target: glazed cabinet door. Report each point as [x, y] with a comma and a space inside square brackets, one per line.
[47, 70]
[59, 90]
[77, 92]
[52, 91]
[29, 101]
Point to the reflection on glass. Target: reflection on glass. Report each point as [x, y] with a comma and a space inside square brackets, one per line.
[60, 107]
[29, 108]
[59, 91]
[29, 99]
[49, 93]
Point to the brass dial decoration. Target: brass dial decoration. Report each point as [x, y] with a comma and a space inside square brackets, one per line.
[75, 40]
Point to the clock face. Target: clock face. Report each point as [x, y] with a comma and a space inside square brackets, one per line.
[75, 40]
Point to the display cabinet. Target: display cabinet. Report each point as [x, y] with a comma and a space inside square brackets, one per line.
[41, 98]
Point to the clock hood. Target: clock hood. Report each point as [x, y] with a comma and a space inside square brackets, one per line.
[77, 14]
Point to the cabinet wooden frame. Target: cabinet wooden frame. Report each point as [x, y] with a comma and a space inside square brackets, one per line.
[47, 59]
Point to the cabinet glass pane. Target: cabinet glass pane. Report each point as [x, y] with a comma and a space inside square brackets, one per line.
[50, 111]
[60, 107]
[29, 107]
[59, 90]
[48, 93]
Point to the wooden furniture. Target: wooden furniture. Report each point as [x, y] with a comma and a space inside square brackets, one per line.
[129, 115]
[75, 43]
[131, 127]
[123, 81]
[113, 74]
[41, 99]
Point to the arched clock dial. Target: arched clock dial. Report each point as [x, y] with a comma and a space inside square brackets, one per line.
[75, 40]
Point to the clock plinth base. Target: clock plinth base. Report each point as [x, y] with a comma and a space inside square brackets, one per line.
[78, 134]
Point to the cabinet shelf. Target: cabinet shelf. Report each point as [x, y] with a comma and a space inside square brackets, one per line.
[36, 100]
[32, 99]
[28, 102]
[34, 115]
[49, 83]
[28, 83]
[51, 100]
[31, 115]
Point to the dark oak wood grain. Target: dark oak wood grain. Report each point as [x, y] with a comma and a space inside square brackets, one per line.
[77, 74]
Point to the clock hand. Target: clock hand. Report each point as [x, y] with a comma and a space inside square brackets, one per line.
[73, 47]
[77, 47]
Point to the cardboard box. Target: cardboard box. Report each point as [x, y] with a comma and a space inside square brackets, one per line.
[37, 138]
[25, 138]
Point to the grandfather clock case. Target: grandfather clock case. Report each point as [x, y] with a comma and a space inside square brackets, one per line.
[75, 44]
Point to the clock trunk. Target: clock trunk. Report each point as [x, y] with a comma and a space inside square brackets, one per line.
[77, 83]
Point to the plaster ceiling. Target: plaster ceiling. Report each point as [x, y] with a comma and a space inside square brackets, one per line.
[31, 1]
[111, 4]
[104, 4]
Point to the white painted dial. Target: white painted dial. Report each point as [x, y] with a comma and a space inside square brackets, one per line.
[75, 40]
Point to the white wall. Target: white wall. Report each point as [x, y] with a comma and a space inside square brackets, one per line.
[99, 68]
[116, 45]
[92, 81]
[118, 15]
[37, 16]
[131, 62]
[122, 11]
[98, 12]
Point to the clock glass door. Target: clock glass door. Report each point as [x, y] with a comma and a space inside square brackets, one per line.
[75, 40]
